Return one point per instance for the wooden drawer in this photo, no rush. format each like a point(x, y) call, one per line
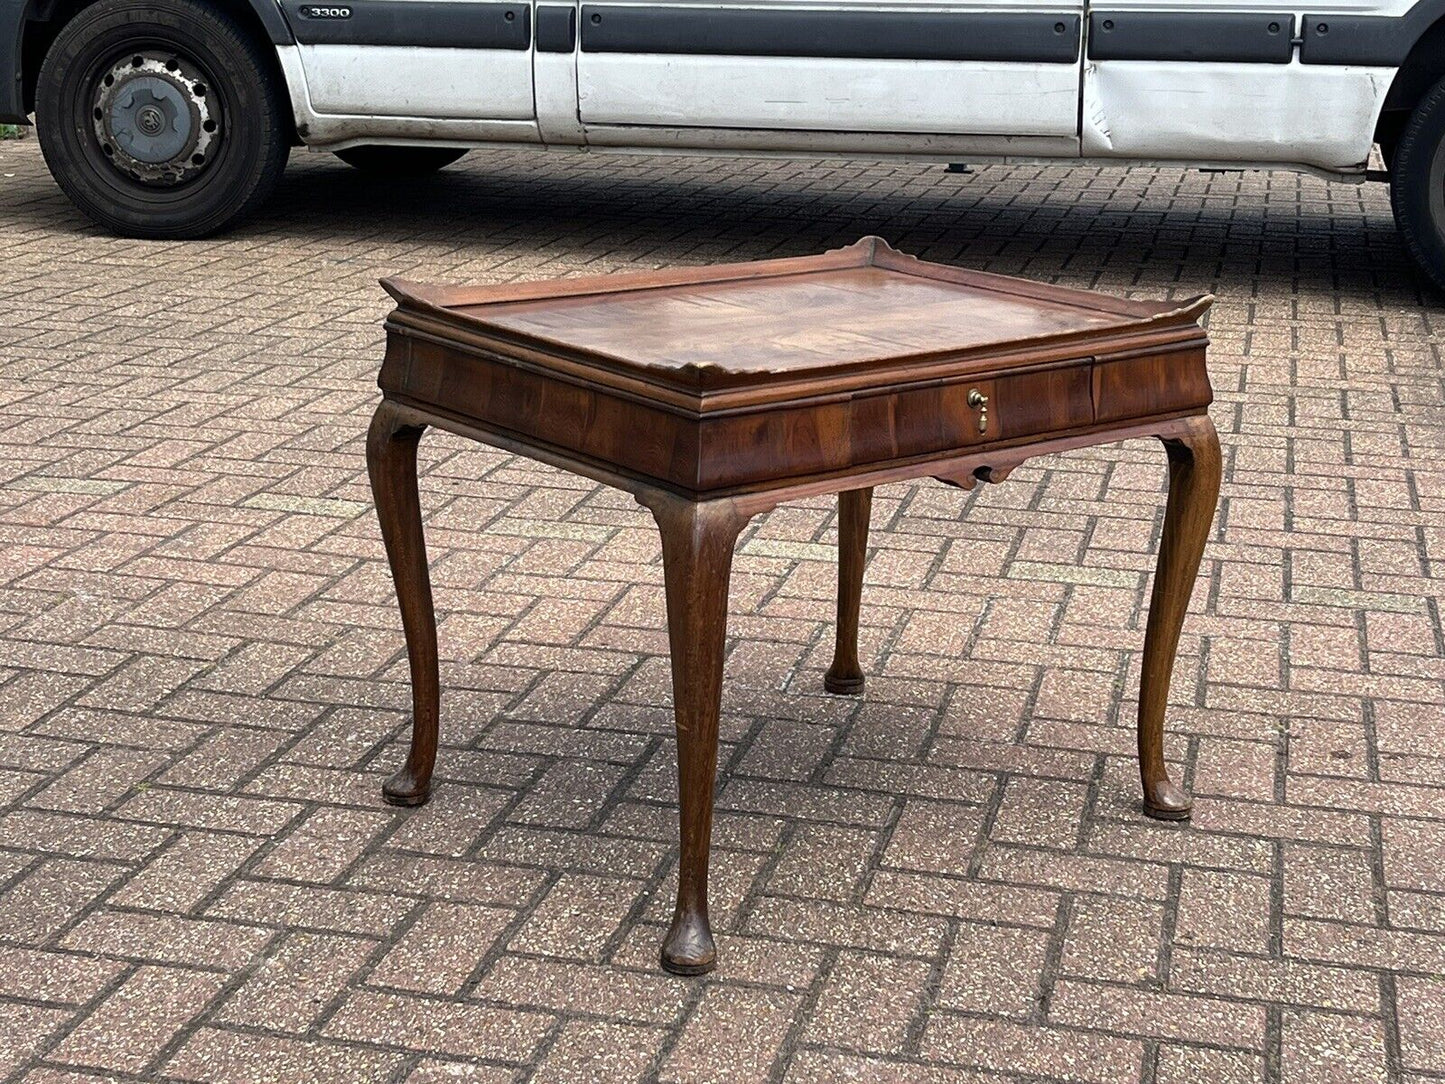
point(875, 428)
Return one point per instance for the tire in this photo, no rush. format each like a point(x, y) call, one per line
point(1417, 184)
point(400, 161)
point(182, 145)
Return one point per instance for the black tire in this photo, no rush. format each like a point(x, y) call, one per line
point(400, 161)
point(209, 71)
point(1417, 184)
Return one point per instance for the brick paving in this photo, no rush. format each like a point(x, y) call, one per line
point(202, 682)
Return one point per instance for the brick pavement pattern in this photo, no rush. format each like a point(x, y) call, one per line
point(202, 679)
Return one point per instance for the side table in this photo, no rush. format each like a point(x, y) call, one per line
point(712, 394)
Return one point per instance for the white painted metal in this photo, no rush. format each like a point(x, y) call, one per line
point(332, 131)
point(1318, 114)
point(823, 94)
point(807, 94)
point(555, 76)
point(337, 131)
point(289, 57)
point(404, 81)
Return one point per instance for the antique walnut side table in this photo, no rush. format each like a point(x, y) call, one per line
point(712, 394)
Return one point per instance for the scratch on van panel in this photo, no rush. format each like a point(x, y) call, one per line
point(1094, 113)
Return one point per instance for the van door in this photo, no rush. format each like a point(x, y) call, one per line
point(1006, 68)
point(555, 68)
point(1226, 83)
point(429, 59)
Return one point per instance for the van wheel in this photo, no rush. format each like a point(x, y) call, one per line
point(160, 118)
point(400, 161)
point(1417, 184)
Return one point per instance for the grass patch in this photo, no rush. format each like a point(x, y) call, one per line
point(12, 131)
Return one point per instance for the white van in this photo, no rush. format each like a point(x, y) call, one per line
point(173, 118)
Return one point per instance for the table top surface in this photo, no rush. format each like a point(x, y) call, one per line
point(793, 319)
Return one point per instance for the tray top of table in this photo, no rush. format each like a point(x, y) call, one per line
point(735, 325)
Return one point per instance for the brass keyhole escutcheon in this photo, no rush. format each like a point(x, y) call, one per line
point(979, 402)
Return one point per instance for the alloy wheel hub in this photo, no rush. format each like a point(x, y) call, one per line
point(154, 118)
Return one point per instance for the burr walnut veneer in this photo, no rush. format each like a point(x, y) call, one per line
point(712, 394)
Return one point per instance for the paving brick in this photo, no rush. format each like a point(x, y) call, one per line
point(324, 845)
point(1412, 854)
point(933, 836)
point(825, 1067)
point(1188, 1064)
point(296, 982)
point(1224, 910)
point(311, 907)
point(461, 1071)
point(186, 872)
point(461, 880)
point(1291, 982)
point(136, 1022)
point(1041, 812)
point(1040, 1051)
point(1331, 1048)
point(102, 778)
point(60, 977)
point(1114, 939)
point(735, 1033)
point(442, 948)
point(1162, 1015)
point(24, 1031)
point(1236, 769)
point(868, 1002)
point(228, 1057)
point(857, 927)
point(587, 1050)
point(997, 970)
point(229, 813)
point(565, 986)
point(50, 897)
point(452, 822)
point(223, 758)
point(168, 938)
point(577, 917)
point(443, 1026)
point(1284, 822)
point(1421, 1007)
point(821, 860)
point(1364, 946)
point(1077, 872)
point(960, 898)
point(1329, 882)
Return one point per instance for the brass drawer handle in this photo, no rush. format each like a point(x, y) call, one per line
point(979, 402)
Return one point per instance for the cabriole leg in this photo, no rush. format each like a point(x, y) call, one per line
point(697, 554)
point(391, 461)
point(1194, 473)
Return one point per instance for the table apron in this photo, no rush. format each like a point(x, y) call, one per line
point(992, 463)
